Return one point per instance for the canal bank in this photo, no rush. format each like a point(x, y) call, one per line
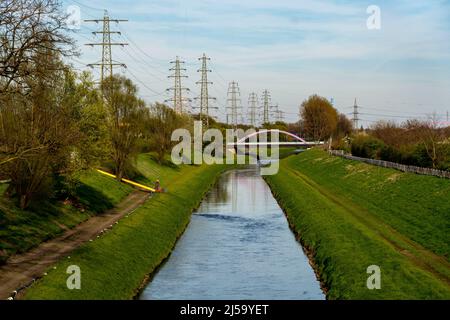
point(350, 215)
point(114, 265)
point(238, 245)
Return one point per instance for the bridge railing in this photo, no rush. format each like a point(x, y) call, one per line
point(394, 165)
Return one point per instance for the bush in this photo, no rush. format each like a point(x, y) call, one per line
point(367, 147)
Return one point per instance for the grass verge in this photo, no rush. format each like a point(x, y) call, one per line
point(114, 266)
point(351, 215)
point(22, 230)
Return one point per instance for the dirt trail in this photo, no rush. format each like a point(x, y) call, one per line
point(20, 270)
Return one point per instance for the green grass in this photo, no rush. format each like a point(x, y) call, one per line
point(351, 215)
point(21, 230)
point(114, 266)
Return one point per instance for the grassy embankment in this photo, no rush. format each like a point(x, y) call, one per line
point(21, 230)
point(114, 266)
point(351, 215)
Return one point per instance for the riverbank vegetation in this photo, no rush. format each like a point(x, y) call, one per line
point(114, 266)
point(351, 215)
point(417, 143)
point(21, 230)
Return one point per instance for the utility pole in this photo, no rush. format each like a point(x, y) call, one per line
point(252, 105)
point(178, 89)
point(204, 96)
point(106, 65)
point(355, 116)
point(266, 106)
point(234, 101)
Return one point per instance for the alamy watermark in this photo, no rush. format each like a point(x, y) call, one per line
point(73, 20)
point(74, 280)
point(240, 147)
point(374, 20)
point(374, 280)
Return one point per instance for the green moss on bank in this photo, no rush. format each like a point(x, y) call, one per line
point(351, 215)
point(114, 266)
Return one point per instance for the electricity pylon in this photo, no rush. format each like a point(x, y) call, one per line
point(178, 99)
point(107, 63)
point(355, 116)
point(234, 104)
point(279, 115)
point(252, 106)
point(204, 96)
point(266, 106)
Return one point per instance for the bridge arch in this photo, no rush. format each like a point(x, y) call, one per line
point(271, 130)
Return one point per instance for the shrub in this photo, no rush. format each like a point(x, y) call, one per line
point(366, 147)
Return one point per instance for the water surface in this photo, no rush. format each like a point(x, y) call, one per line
point(238, 245)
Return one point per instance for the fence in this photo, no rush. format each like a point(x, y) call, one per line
point(394, 165)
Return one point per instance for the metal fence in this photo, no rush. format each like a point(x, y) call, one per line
point(394, 165)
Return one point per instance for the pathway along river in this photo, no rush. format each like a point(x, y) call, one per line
point(238, 245)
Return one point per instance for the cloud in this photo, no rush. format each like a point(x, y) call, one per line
point(295, 48)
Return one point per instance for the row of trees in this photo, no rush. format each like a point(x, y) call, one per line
point(55, 122)
point(415, 142)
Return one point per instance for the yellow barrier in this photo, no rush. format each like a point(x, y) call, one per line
point(128, 181)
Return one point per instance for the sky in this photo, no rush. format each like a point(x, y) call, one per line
point(293, 48)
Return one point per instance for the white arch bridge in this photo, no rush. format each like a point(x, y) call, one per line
point(299, 142)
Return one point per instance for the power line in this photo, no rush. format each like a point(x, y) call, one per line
point(86, 6)
point(143, 84)
point(130, 54)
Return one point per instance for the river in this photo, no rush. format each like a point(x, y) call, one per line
point(238, 245)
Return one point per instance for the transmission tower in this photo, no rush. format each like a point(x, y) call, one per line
point(107, 64)
point(266, 106)
point(279, 115)
point(204, 96)
point(234, 102)
point(252, 106)
point(178, 99)
point(355, 115)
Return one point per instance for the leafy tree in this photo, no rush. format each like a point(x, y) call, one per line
point(344, 127)
point(319, 118)
point(161, 123)
point(125, 112)
point(39, 127)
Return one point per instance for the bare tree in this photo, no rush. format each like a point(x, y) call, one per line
point(27, 27)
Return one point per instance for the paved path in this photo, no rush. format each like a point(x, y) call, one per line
point(20, 270)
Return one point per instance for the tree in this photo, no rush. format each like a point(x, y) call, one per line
point(38, 128)
point(344, 126)
point(125, 111)
point(161, 123)
point(319, 118)
point(26, 28)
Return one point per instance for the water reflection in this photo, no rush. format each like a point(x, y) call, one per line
point(237, 246)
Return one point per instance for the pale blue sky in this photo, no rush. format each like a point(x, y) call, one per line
point(294, 48)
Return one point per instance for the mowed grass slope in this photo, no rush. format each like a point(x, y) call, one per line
point(21, 230)
point(114, 266)
point(351, 215)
